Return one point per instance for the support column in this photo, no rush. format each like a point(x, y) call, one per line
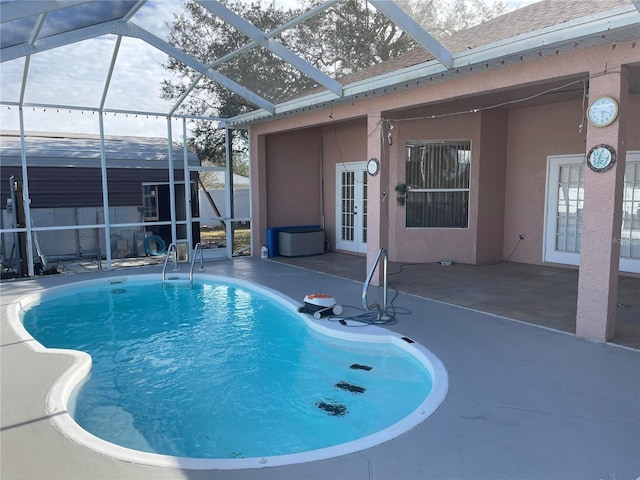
point(377, 189)
point(258, 178)
point(602, 217)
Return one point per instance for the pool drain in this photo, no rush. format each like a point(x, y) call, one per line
point(350, 387)
point(336, 409)
point(357, 366)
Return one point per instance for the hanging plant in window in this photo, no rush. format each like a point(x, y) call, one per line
point(402, 190)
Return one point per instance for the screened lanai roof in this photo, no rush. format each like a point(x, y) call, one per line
point(107, 55)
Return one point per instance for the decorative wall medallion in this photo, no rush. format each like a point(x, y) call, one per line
point(373, 166)
point(601, 158)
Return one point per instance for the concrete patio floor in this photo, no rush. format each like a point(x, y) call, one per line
point(541, 295)
point(524, 402)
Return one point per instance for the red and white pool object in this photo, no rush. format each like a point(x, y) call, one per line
point(320, 305)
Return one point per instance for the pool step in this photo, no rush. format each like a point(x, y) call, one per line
point(177, 280)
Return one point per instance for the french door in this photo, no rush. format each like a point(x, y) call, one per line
point(351, 207)
point(564, 206)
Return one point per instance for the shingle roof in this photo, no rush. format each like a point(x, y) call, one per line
point(539, 15)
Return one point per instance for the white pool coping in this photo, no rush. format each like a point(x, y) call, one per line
point(58, 401)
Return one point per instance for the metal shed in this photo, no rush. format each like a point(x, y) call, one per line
point(65, 183)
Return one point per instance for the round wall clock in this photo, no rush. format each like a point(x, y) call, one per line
point(373, 166)
point(601, 158)
point(603, 111)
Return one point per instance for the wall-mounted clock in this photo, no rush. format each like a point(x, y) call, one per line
point(603, 111)
point(373, 166)
point(601, 158)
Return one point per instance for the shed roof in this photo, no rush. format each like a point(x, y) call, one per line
point(81, 150)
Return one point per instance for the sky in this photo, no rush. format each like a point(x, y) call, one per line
point(134, 86)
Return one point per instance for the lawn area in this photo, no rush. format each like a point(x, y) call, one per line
point(217, 235)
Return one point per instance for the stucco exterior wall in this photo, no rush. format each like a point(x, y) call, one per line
point(428, 244)
point(342, 142)
point(293, 178)
point(510, 147)
point(491, 186)
point(535, 134)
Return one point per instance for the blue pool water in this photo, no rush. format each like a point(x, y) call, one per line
point(221, 371)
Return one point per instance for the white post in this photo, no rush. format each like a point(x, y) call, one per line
point(105, 194)
point(187, 189)
point(228, 190)
point(25, 195)
point(172, 186)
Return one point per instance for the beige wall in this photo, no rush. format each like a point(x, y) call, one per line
point(534, 135)
point(426, 244)
point(510, 147)
point(342, 142)
point(509, 168)
point(491, 186)
point(293, 178)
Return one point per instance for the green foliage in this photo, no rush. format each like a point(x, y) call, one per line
point(347, 37)
point(205, 36)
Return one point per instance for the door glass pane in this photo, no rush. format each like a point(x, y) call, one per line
point(347, 206)
point(571, 204)
point(630, 233)
point(365, 178)
point(569, 210)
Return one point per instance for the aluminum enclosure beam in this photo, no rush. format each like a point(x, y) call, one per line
point(604, 26)
point(107, 83)
point(55, 41)
point(132, 30)
point(118, 27)
point(415, 31)
point(16, 10)
point(277, 48)
point(272, 33)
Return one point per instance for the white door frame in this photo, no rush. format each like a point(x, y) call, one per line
point(350, 234)
point(549, 251)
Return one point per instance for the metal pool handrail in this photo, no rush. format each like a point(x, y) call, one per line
point(196, 249)
point(382, 311)
point(172, 248)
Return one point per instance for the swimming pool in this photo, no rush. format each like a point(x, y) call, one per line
point(345, 380)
